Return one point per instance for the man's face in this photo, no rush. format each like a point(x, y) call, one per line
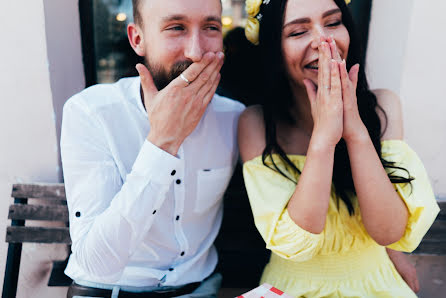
point(176, 33)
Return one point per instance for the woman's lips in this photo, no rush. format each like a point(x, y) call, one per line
point(313, 66)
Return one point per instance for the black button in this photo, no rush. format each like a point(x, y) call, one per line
point(178, 181)
point(173, 173)
point(170, 269)
point(182, 253)
point(178, 217)
point(78, 214)
point(154, 211)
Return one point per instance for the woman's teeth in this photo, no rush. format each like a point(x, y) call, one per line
point(313, 65)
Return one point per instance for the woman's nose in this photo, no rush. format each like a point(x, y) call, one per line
point(318, 36)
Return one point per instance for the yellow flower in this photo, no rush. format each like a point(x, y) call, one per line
point(348, 1)
point(253, 7)
point(252, 30)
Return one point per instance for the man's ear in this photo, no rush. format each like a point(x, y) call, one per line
point(134, 33)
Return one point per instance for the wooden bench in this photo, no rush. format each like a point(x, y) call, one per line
point(434, 242)
point(242, 253)
point(35, 202)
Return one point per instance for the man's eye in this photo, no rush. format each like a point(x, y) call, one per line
point(214, 28)
point(175, 28)
point(334, 24)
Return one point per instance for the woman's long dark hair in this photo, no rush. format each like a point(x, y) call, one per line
point(278, 101)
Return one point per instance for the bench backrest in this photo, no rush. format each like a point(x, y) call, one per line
point(38, 202)
point(434, 242)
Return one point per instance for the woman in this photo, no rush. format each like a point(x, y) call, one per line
point(330, 181)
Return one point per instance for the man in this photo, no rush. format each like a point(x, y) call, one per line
point(146, 161)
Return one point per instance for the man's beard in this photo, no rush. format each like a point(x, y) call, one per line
point(162, 76)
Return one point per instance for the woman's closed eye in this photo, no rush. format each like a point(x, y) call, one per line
point(294, 34)
point(334, 24)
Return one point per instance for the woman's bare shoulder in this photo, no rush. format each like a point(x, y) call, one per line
point(251, 133)
point(392, 120)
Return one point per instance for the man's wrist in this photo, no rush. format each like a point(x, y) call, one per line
point(170, 145)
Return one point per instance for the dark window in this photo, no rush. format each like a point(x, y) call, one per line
point(108, 55)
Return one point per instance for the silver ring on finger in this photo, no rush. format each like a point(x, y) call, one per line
point(327, 87)
point(185, 79)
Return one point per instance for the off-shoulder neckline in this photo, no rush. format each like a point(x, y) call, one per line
point(303, 157)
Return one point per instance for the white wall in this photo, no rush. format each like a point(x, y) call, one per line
point(406, 54)
point(32, 88)
point(64, 54)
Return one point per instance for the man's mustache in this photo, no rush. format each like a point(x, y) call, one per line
point(178, 68)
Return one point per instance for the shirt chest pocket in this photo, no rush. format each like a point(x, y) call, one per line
point(211, 185)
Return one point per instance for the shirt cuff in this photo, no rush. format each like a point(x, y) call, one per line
point(153, 159)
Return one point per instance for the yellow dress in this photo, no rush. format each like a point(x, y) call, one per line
point(342, 261)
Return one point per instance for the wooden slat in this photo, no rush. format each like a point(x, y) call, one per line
point(39, 191)
point(39, 212)
point(437, 231)
point(427, 247)
point(37, 235)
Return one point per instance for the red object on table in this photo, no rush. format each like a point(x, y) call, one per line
point(265, 291)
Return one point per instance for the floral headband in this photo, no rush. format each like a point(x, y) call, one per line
point(254, 17)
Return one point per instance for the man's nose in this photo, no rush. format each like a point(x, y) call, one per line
point(194, 49)
point(318, 35)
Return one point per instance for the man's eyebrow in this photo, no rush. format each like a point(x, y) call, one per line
point(213, 19)
point(307, 20)
point(174, 17)
point(180, 17)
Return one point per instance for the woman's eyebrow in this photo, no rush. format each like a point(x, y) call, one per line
point(330, 12)
point(307, 20)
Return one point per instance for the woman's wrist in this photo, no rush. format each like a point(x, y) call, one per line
point(359, 135)
point(320, 146)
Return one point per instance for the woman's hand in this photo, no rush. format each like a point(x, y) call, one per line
point(353, 127)
point(326, 101)
point(405, 269)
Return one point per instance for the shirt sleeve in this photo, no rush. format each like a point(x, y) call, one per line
point(417, 195)
point(269, 193)
point(108, 217)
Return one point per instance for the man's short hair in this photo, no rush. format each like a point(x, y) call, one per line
point(136, 15)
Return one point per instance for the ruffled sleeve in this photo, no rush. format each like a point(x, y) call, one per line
point(269, 193)
point(417, 195)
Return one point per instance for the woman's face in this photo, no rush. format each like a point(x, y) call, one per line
point(305, 23)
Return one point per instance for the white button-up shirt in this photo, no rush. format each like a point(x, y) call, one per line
point(139, 216)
